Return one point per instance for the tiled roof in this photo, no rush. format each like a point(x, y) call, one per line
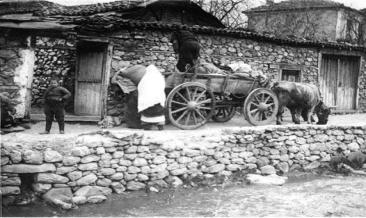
point(103, 26)
point(297, 5)
point(45, 8)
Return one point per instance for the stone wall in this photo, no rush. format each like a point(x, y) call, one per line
point(54, 57)
point(362, 86)
point(16, 64)
point(127, 160)
point(153, 47)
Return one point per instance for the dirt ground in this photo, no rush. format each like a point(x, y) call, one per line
point(74, 129)
point(319, 197)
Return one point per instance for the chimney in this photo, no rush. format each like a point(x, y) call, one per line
point(269, 2)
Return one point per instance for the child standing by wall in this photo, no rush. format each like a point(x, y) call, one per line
point(54, 103)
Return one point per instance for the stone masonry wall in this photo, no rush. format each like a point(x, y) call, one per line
point(153, 47)
point(125, 160)
point(54, 57)
point(362, 86)
point(16, 63)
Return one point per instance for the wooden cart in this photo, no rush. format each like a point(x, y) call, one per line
point(196, 98)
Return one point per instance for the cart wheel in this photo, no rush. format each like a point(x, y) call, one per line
point(260, 107)
point(223, 113)
point(190, 105)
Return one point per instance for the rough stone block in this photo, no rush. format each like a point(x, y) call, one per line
point(41, 187)
point(70, 160)
point(51, 178)
point(10, 190)
point(134, 186)
point(87, 180)
point(32, 157)
point(27, 168)
point(52, 156)
point(11, 181)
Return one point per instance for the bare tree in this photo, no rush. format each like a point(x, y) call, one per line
point(229, 12)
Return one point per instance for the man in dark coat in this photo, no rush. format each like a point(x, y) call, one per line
point(54, 99)
point(186, 45)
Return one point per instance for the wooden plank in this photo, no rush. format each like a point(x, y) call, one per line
point(89, 99)
point(106, 78)
point(89, 90)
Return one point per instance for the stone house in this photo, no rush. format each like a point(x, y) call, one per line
point(85, 48)
point(322, 20)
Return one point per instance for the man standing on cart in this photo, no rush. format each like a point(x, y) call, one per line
point(186, 45)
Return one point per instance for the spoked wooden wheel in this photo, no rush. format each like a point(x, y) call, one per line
point(190, 105)
point(260, 107)
point(223, 112)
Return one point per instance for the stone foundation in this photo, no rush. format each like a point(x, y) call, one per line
point(125, 160)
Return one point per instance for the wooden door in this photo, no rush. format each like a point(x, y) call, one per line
point(339, 81)
point(89, 79)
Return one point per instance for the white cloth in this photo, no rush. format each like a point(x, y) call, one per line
point(240, 67)
point(158, 119)
point(151, 89)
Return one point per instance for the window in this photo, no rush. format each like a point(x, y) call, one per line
point(291, 75)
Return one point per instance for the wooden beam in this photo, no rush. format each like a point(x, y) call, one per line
point(37, 25)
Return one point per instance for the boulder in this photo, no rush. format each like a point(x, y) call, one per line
point(51, 178)
point(70, 160)
point(88, 166)
point(216, 168)
point(90, 158)
point(15, 156)
point(51, 156)
point(117, 176)
point(11, 181)
point(100, 150)
point(233, 167)
point(10, 190)
point(59, 196)
point(118, 154)
point(87, 191)
point(134, 186)
point(283, 167)
point(96, 199)
point(312, 165)
point(177, 172)
point(118, 187)
point(139, 162)
point(159, 183)
point(87, 180)
point(104, 182)
point(26, 168)
point(266, 180)
point(142, 177)
point(64, 170)
point(32, 157)
point(353, 146)
point(80, 151)
point(79, 200)
point(41, 187)
point(268, 170)
point(174, 181)
point(75, 175)
point(4, 160)
point(107, 171)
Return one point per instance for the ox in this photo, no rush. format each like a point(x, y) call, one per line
point(302, 99)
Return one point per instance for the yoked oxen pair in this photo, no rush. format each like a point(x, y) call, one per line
point(301, 99)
